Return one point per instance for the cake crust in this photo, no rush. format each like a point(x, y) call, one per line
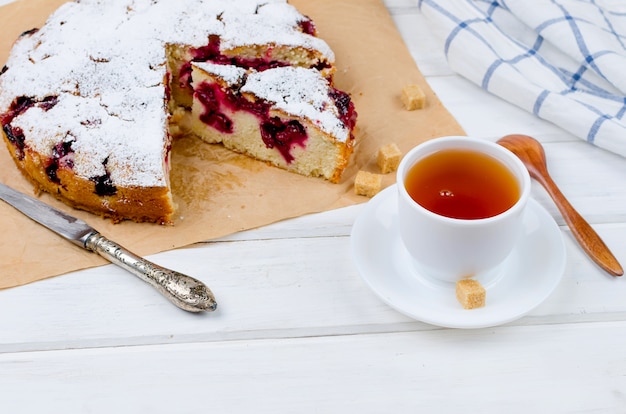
point(141, 204)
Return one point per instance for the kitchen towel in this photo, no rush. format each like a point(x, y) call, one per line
point(562, 60)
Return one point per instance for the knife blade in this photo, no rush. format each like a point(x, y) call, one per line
point(184, 291)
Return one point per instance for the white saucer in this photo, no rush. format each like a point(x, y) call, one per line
point(526, 278)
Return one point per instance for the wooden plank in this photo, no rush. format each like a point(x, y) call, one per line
point(291, 287)
point(551, 369)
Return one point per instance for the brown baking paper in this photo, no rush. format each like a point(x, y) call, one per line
point(219, 192)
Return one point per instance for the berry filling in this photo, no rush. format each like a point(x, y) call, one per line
point(21, 104)
point(345, 106)
point(307, 26)
point(29, 32)
point(211, 53)
point(184, 76)
point(210, 96)
point(15, 135)
point(276, 133)
point(48, 102)
point(104, 185)
point(62, 157)
point(282, 135)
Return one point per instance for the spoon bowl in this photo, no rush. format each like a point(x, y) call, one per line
point(531, 153)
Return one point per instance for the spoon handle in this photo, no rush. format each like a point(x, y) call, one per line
point(588, 239)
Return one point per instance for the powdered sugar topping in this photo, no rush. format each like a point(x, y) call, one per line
point(300, 92)
point(105, 61)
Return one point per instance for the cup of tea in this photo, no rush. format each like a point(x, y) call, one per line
point(461, 202)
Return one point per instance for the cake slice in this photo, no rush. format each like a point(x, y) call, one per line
point(288, 116)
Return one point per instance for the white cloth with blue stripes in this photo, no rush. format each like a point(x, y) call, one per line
point(562, 60)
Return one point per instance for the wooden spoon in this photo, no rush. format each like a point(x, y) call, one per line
point(530, 151)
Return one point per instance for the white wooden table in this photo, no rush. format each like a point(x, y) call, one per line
point(298, 330)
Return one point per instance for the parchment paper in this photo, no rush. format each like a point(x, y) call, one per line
point(219, 192)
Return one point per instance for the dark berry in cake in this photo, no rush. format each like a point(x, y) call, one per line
point(29, 32)
point(62, 157)
point(104, 185)
point(345, 106)
point(48, 102)
point(16, 137)
point(207, 94)
point(308, 27)
point(211, 53)
point(282, 135)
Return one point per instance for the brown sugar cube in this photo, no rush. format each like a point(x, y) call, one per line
point(413, 97)
point(367, 184)
point(470, 293)
point(388, 158)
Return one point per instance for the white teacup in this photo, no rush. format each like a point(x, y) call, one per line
point(449, 249)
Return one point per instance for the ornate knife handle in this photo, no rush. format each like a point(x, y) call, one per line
point(183, 291)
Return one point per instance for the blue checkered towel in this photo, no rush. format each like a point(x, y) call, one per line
point(562, 60)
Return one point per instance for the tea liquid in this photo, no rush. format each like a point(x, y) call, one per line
point(462, 184)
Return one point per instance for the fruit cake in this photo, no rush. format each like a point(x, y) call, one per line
point(91, 101)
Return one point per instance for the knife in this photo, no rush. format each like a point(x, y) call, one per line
point(183, 291)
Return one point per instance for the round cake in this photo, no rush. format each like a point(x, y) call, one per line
point(91, 101)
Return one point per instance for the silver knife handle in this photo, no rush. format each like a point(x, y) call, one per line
point(184, 291)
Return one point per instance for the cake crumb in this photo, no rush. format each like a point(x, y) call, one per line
point(388, 158)
point(470, 293)
point(367, 184)
point(413, 97)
